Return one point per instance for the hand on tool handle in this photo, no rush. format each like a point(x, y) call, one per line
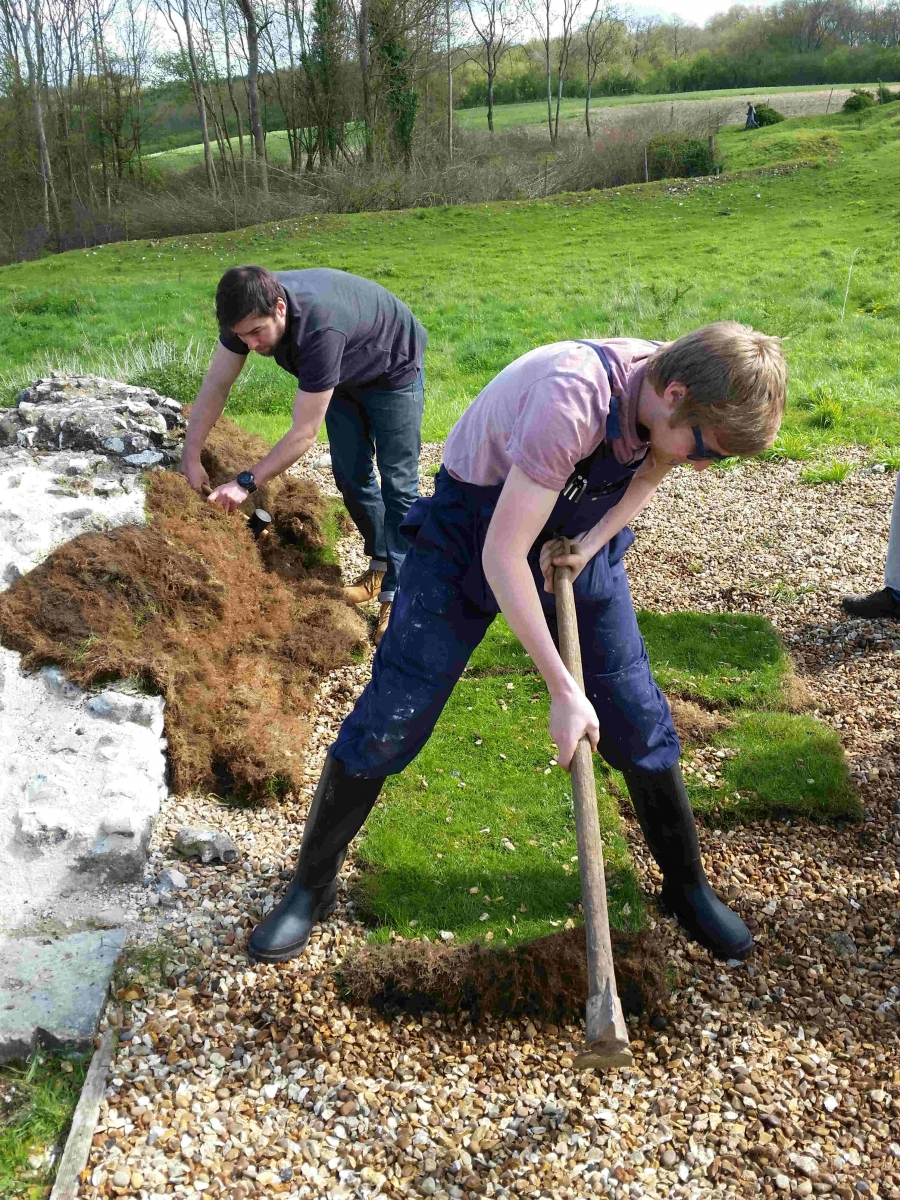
point(562, 552)
point(196, 476)
point(572, 715)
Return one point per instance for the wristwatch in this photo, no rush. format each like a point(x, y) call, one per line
point(246, 481)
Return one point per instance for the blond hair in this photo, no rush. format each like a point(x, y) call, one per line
point(736, 381)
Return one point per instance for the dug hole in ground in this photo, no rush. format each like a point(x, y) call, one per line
point(776, 1077)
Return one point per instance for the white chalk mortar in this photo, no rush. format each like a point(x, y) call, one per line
point(81, 775)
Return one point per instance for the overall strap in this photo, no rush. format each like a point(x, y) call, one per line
point(577, 481)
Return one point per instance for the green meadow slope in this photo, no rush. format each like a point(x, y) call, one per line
point(772, 248)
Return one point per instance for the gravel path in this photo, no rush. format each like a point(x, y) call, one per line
point(778, 1077)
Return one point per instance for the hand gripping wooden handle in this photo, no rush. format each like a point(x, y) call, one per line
point(606, 1032)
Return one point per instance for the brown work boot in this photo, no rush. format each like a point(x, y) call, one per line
point(365, 589)
point(383, 617)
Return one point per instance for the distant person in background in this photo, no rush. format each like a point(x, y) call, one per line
point(751, 122)
point(884, 603)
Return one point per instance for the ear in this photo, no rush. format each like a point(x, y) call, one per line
point(674, 394)
point(280, 306)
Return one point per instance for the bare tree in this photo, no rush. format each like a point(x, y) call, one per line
point(28, 17)
point(642, 31)
point(570, 10)
point(179, 16)
point(495, 23)
point(543, 15)
point(601, 35)
point(251, 23)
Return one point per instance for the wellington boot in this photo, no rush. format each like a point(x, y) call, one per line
point(366, 588)
point(340, 806)
point(664, 812)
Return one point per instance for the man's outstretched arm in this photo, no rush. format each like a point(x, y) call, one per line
point(206, 410)
point(309, 413)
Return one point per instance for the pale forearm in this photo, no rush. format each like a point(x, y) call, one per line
point(638, 495)
point(513, 586)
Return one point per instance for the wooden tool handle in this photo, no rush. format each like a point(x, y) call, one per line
point(606, 1032)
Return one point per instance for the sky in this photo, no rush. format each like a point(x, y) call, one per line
point(695, 11)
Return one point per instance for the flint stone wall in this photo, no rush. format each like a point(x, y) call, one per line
point(133, 427)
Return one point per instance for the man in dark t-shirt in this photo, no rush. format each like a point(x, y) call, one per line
point(357, 354)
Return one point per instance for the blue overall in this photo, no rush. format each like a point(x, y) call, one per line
point(444, 606)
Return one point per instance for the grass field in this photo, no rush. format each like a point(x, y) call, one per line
point(491, 281)
point(509, 116)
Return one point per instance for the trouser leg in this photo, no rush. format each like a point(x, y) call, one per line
point(395, 422)
point(353, 466)
point(892, 565)
point(431, 636)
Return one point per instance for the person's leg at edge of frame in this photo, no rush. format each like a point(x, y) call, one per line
point(353, 467)
point(395, 419)
point(885, 603)
point(423, 653)
point(638, 738)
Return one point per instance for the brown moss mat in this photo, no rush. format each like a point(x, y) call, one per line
point(546, 977)
point(186, 606)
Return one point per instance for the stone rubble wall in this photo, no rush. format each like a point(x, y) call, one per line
point(81, 776)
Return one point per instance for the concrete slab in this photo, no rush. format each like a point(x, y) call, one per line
point(52, 991)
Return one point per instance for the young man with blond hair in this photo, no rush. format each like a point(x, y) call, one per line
point(569, 441)
point(357, 354)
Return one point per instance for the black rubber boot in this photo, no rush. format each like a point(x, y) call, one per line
point(661, 803)
point(876, 606)
point(340, 806)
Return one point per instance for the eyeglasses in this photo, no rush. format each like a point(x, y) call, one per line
point(703, 452)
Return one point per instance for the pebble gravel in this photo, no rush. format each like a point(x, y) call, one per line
point(776, 1077)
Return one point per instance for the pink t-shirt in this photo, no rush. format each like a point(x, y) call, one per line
point(546, 411)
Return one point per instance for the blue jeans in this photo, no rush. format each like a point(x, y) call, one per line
point(369, 425)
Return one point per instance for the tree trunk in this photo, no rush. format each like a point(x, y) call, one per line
point(48, 191)
point(449, 85)
point(246, 7)
point(364, 70)
point(490, 99)
point(587, 111)
point(200, 98)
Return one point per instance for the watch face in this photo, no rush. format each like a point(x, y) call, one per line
point(246, 480)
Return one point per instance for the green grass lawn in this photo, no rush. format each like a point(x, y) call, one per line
point(491, 281)
point(476, 837)
point(509, 116)
point(37, 1100)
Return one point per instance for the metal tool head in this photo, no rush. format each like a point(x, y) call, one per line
point(601, 1058)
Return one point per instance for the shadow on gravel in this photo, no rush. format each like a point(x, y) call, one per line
point(235, 634)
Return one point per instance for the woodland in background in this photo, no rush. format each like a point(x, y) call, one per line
point(364, 91)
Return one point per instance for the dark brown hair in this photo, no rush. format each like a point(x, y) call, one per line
point(736, 380)
point(243, 291)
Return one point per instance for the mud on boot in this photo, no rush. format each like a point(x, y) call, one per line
point(664, 811)
point(340, 806)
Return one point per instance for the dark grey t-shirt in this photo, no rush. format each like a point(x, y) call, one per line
point(343, 329)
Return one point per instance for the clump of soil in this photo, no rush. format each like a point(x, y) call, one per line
point(546, 977)
point(189, 607)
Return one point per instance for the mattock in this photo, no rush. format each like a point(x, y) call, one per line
point(606, 1033)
